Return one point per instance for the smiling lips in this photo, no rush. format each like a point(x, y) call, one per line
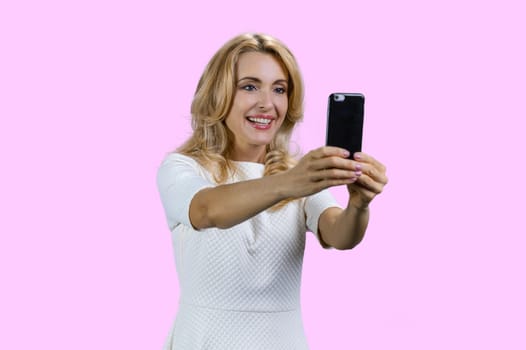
point(261, 121)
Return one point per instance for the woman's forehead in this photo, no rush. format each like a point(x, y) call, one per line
point(260, 65)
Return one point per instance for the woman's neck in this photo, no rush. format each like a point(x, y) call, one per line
point(248, 154)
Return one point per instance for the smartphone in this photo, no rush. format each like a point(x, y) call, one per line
point(345, 121)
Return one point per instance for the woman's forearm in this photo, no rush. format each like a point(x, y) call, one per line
point(344, 228)
point(227, 205)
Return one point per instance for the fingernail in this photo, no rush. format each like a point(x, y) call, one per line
point(358, 173)
point(358, 167)
point(346, 153)
point(357, 156)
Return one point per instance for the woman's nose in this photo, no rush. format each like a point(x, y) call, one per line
point(265, 100)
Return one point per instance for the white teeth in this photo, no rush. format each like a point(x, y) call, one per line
point(260, 120)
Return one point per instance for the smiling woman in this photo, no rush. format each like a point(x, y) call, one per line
point(230, 70)
point(238, 205)
point(259, 106)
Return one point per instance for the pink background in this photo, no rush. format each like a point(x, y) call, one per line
point(94, 93)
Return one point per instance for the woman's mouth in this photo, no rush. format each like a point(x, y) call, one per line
point(260, 122)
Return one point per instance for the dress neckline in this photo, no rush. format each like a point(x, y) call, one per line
point(248, 166)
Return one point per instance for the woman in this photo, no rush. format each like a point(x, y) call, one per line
point(238, 205)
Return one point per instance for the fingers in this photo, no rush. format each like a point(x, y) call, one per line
point(371, 167)
point(326, 183)
point(329, 151)
point(330, 157)
point(365, 158)
point(372, 173)
point(335, 163)
point(370, 184)
point(328, 166)
point(335, 174)
point(372, 180)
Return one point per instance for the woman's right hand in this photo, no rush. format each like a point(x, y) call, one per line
point(320, 169)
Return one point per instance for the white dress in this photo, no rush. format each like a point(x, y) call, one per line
point(240, 287)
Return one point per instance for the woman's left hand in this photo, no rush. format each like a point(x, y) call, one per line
point(369, 184)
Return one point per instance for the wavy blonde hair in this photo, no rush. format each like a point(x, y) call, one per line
point(211, 141)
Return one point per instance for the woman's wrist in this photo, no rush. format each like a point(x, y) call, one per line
point(357, 204)
point(278, 183)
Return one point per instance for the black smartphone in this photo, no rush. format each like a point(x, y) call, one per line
point(345, 121)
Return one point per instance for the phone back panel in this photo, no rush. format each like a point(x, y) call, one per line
point(345, 121)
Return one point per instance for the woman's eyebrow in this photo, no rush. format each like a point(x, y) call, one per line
point(250, 78)
point(281, 81)
point(257, 80)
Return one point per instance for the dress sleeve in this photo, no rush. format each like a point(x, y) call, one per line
point(179, 178)
point(314, 206)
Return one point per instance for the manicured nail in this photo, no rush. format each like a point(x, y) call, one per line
point(358, 167)
point(346, 154)
point(357, 156)
point(358, 173)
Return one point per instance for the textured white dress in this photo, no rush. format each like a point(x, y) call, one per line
point(239, 287)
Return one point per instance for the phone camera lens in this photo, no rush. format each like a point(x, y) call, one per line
point(339, 97)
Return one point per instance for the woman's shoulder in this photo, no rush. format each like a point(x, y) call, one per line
point(180, 162)
point(178, 167)
point(175, 158)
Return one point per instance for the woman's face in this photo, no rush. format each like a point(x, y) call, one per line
point(259, 107)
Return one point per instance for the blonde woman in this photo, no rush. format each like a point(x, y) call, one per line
point(238, 205)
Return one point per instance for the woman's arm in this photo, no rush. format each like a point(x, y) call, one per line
point(227, 205)
point(345, 228)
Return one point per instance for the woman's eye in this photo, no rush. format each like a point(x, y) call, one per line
point(249, 87)
point(280, 90)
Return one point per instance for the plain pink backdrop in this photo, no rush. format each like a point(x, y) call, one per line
point(94, 93)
